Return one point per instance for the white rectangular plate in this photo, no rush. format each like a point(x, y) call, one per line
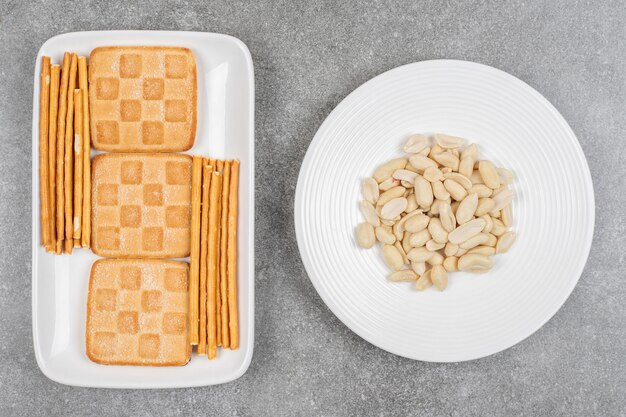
point(225, 130)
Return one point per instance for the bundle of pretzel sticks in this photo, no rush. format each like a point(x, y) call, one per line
point(213, 260)
point(64, 154)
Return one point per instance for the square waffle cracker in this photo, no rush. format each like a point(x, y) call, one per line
point(142, 98)
point(141, 205)
point(137, 312)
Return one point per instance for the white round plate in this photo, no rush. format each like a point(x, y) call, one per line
point(515, 127)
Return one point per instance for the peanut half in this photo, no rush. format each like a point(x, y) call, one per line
point(403, 275)
point(385, 171)
point(416, 143)
point(370, 190)
point(447, 141)
point(365, 235)
point(439, 277)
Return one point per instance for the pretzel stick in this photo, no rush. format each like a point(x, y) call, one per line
point(223, 281)
point(204, 227)
point(55, 73)
point(194, 261)
point(44, 113)
point(59, 247)
point(214, 205)
point(218, 295)
point(68, 181)
point(69, 244)
point(233, 207)
point(85, 237)
point(60, 194)
point(78, 165)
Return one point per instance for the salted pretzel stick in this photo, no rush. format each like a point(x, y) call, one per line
point(60, 192)
point(223, 281)
point(68, 181)
point(55, 73)
point(78, 164)
point(44, 113)
point(233, 207)
point(204, 227)
point(214, 205)
point(194, 257)
point(218, 295)
point(85, 237)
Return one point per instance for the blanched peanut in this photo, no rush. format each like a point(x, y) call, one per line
point(423, 192)
point(450, 263)
point(475, 263)
point(435, 259)
point(439, 277)
point(489, 174)
point(393, 257)
point(424, 281)
point(455, 189)
point(437, 231)
point(403, 275)
point(417, 223)
point(386, 170)
point(420, 238)
point(365, 235)
point(385, 235)
point(419, 254)
point(450, 249)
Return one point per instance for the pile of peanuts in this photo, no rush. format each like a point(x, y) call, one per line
point(439, 210)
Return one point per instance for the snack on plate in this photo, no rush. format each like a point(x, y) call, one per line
point(78, 165)
point(142, 98)
point(212, 260)
point(60, 152)
point(207, 170)
point(86, 215)
point(137, 312)
point(194, 256)
point(55, 78)
point(139, 202)
point(441, 209)
point(68, 161)
point(222, 289)
point(44, 112)
point(213, 282)
point(141, 205)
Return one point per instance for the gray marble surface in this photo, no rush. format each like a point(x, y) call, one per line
point(308, 55)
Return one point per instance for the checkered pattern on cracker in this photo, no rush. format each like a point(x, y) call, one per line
point(142, 99)
point(141, 205)
point(137, 312)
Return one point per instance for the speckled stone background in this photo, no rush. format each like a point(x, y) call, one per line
point(308, 55)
